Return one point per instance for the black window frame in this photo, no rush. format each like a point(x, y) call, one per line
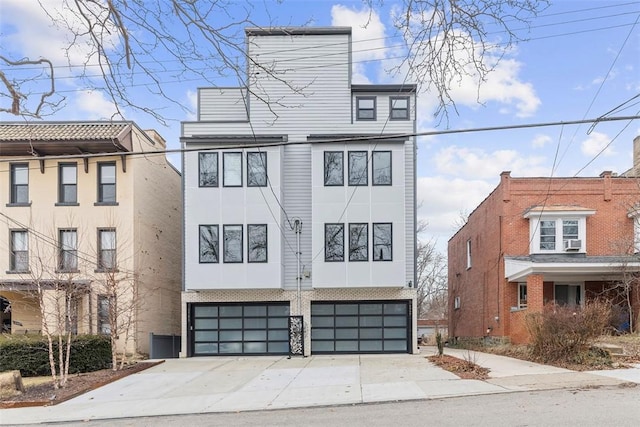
point(339, 258)
point(225, 259)
point(263, 258)
point(62, 185)
point(14, 194)
point(251, 181)
point(393, 109)
point(360, 110)
point(373, 168)
point(356, 247)
point(201, 172)
point(358, 182)
point(62, 263)
point(375, 245)
point(102, 251)
point(14, 254)
point(214, 245)
point(337, 183)
point(225, 156)
point(102, 200)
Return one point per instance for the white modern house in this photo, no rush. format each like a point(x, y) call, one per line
point(299, 206)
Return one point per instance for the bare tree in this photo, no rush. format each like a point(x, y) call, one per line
point(127, 43)
point(431, 272)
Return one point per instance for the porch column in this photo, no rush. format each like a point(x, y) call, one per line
point(535, 290)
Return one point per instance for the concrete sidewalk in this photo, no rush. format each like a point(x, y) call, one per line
point(224, 384)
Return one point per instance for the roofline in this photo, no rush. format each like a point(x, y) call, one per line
point(296, 31)
point(233, 139)
point(399, 88)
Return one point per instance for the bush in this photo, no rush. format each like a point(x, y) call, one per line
point(564, 333)
point(29, 354)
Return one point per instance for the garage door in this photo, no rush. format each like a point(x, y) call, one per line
point(237, 329)
point(360, 327)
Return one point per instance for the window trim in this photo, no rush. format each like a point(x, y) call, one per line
point(263, 156)
point(329, 224)
point(100, 259)
point(373, 242)
point(224, 249)
point(62, 268)
point(225, 154)
point(201, 155)
point(100, 197)
point(61, 185)
point(366, 175)
point(366, 245)
point(266, 243)
point(12, 251)
point(341, 184)
point(217, 243)
point(373, 168)
point(392, 109)
point(373, 110)
point(13, 194)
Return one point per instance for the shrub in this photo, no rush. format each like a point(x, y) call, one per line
point(29, 354)
point(564, 333)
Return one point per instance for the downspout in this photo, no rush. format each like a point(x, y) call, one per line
point(297, 227)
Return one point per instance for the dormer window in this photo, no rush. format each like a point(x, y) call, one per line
point(558, 229)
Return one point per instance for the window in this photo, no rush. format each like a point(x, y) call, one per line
point(548, 235)
point(399, 108)
point(19, 184)
point(208, 169)
point(68, 181)
point(257, 169)
point(570, 295)
point(469, 253)
point(569, 229)
point(366, 108)
point(334, 242)
point(381, 168)
point(522, 295)
point(333, 168)
point(358, 242)
point(232, 235)
point(358, 171)
point(107, 249)
point(209, 244)
point(19, 251)
point(106, 183)
point(68, 247)
point(104, 307)
point(257, 243)
point(382, 242)
point(232, 165)
point(456, 303)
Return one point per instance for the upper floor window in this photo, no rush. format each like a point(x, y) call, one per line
point(106, 182)
point(333, 168)
point(381, 168)
point(68, 183)
point(208, 169)
point(358, 242)
point(209, 244)
point(232, 235)
point(257, 169)
point(68, 250)
point(469, 253)
point(366, 107)
point(557, 228)
point(257, 242)
point(399, 108)
point(567, 229)
point(19, 251)
point(232, 169)
point(107, 249)
point(334, 242)
point(382, 242)
point(358, 168)
point(548, 235)
point(19, 184)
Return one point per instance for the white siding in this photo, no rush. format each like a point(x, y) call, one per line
point(222, 104)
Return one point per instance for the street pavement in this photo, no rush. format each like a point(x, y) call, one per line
point(231, 384)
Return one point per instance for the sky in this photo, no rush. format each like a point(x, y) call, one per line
point(579, 59)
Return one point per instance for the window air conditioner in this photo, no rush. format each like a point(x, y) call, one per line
point(572, 245)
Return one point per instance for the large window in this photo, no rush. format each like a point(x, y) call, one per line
point(333, 168)
point(358, 242)
point(232, 165)
point(548, 235)
point(208, 169)
point(209, 244)
point(381, 168)
point(106, 183)
point(257, 169)
point(19, 184)
point(68, 250)
point(569, 229)
point(334, 242)
point(68, 183)
point(232, 235)
point(366, 108)
point(257, 242)
point(399, 108)
point(358, 170)
point(107, 249)
point(19, 251)
point(104, 307)
point(382, 242)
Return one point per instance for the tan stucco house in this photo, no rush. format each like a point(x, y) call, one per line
point(89, 209)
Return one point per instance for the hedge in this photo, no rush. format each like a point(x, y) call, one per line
point(29, 354)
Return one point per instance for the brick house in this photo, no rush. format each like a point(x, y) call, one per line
point(85, 205)
point(537, 240)
point(299, 206)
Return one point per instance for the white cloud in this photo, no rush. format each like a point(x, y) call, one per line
point(540, 140)
point(597, 144)
point(92, 105)
point(192, 102)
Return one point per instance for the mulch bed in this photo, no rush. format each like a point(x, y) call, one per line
point(463, 368)
point(77, 384)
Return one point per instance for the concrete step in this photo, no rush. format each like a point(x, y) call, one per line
point(613, 349)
